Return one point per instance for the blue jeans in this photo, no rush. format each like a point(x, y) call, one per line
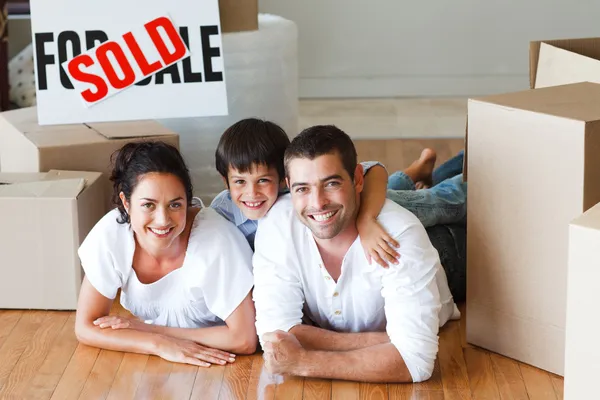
point(450, 168)
point(445, 203)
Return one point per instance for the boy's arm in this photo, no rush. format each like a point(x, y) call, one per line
point(376, 242)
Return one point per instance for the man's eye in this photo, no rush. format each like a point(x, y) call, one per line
point(239, 182)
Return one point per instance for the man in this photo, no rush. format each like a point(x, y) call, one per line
point(372, 324)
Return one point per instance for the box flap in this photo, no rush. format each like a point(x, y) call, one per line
point(578, 101)
point(64, 188)
point(25, 121)
point(589, 47)
point(89, 177)
point(589, 219)
point(557, 66)
point(130, 129)
point(238, 15)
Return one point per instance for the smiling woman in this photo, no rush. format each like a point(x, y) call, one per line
point(161, 247)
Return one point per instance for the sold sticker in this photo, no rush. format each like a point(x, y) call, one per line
point(117, 64)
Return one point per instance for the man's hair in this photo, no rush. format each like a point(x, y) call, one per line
point(320, 140)
point(251, 142)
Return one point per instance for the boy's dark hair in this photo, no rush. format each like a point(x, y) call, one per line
point(251, 141)
point(320, 140)
point(136, 159)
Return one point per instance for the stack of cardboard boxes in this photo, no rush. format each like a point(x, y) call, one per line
point(54, 188)
point(533, 169)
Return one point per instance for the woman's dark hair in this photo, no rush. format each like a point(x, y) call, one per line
point(133, 160)
point(251, 141)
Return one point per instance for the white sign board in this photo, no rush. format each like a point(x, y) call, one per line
point(118, 60)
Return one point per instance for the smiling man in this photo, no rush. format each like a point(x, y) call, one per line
point(321, 310)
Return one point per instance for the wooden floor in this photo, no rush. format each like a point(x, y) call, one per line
point(40, 357)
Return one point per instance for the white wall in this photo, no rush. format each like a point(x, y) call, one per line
point(362, 48)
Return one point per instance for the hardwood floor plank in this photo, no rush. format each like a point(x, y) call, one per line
point(458, 395)
point(317, 389)
point(17, 341)
point(208, 383)
point(18, 382)
point(451, 358)
point(47, 377)
point(345, 390)
point(372, 391)
point(128, 377)
point(156, 375)
point(75, 375)
point(260, 387)
point(8, 321)
point(508, 377)
point(180, 383)
point(558, 382)
point(236, 379)
point(102, 375)
point(291, 388)
point(481, 374)
point(538, 383)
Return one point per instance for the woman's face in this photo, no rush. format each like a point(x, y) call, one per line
point(157, 210)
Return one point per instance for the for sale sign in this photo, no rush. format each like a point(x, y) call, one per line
point(125, 60)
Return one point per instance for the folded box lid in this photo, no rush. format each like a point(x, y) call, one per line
point(588, 47)
point(577, 101)
point(589, 219)
point(25, 121)
point(53, 184)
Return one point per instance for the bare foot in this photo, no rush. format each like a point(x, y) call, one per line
point(421, 170)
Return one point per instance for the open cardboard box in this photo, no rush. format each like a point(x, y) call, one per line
point(45, 217)
point(558, 62)
point(533, 168)
point(26, 146)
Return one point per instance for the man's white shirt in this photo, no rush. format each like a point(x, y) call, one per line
point(409, 301)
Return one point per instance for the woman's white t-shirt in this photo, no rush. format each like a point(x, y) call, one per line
point(215, 277)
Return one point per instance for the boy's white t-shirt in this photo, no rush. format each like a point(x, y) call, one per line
point(215, 277)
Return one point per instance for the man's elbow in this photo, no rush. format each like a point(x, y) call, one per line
point(422, 371)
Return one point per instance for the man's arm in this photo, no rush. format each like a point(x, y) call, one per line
point(278, 295)
point(379, 363)
point(313, 338)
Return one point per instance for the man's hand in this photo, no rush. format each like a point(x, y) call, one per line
point(282, 352)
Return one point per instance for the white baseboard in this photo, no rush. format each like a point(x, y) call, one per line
point(411, 86)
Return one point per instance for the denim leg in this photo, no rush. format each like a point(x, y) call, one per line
point(400, 181)
point(445, 203)
point(449, 169)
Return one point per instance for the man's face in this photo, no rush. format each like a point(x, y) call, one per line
point(324, 196)
point(255, 191)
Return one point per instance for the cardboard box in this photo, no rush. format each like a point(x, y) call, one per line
point(582, 351)
point(238, 15)
point(533, 167)
point(560, 62)
point(46, 217)
point(26, 146)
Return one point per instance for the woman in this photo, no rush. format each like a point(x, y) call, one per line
point(183, 270)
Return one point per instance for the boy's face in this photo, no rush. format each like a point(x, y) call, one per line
point(254, 191)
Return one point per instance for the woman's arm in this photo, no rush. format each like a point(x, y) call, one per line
point(92, 306)
point(237, 336)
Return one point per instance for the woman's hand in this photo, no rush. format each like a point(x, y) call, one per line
point(188, 352)
point(119, 322)
point(376, 243)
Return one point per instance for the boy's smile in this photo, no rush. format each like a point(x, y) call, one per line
point(254, 191)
